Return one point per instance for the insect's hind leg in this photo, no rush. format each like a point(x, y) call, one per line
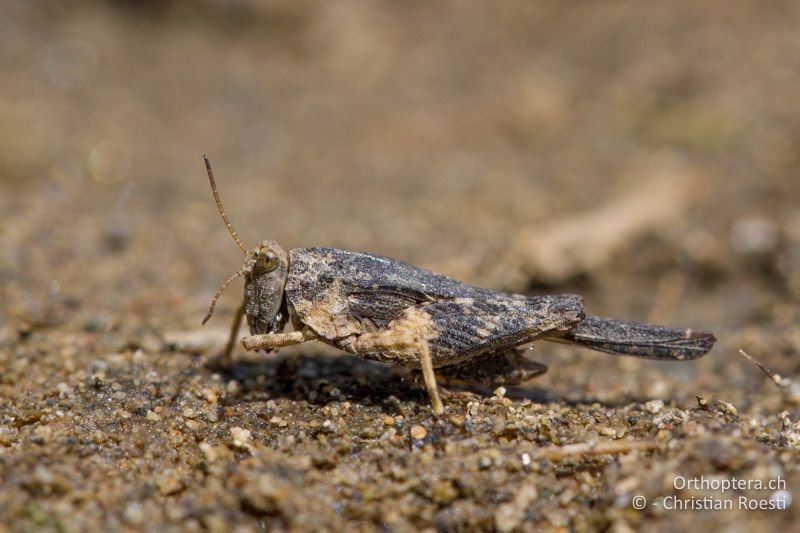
point(406, 345)
point(641, 340)
point(509, 367)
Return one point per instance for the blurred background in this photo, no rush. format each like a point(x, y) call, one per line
point(644, 155)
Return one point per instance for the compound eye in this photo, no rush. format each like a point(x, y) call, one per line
point(266, 262)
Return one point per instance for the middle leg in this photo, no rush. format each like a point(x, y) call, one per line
point(406, 346)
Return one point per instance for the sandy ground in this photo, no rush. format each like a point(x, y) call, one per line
point(642, 155)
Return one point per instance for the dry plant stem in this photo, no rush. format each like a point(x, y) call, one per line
point(774, 377)
point(560, 248)
point(557, 453)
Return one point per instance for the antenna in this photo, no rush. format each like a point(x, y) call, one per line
point(219, 291)
point(224, 216)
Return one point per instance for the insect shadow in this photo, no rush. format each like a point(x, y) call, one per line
point(295, 375)
point(321, 378)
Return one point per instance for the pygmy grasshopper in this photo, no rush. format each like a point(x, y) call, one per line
point(382, 309)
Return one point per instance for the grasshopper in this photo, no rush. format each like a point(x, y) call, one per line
point(386, 310)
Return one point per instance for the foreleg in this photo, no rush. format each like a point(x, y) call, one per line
point(271, 341)
point(237, 321)
point(406, 345)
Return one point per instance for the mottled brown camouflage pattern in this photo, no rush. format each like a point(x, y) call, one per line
point(642, 340)
point(341, 295)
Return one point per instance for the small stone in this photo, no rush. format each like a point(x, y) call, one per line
point(754, 235)
point(456, 420)
point(399, 474)
point(152, 417)
point(654, 406)
point(233, 387)
point(98, 437)
point(500, 392)
point(188, 413)
point(169, 483)
point(510, 516)
point(241, 438)
point(45, 433)
point(209, 395)
point(388, 420)
point(443, 492)
point(43, 475)
point(209, 452)
point(281, 423)
point(133, 513)
point(418, 432)
point(7, 436)
point(727, 407)
point(607, 431)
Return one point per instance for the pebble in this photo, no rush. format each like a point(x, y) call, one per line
point(241, 438)
point(279, 421)
point(169, 483)
point(456, 420)
point(209, 395)
point(727, 407)
point(210, 452)
point(133, 513)
point(44, 432)
point(418, 432)
point(654, 406)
